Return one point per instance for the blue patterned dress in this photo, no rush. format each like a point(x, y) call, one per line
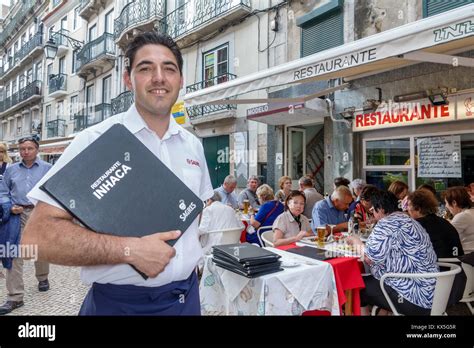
point(400, 244)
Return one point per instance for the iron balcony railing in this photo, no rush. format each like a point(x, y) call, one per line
point(96, 48)
point(56, 128)
point(210, 82)
point(195, 13)
point(23, 94)
point(59, 37)
point(57, 83)
point(25, 50)
point(16, 22)
point(137, 12)
point(122, 102)
point(91, 115)
point(197, 111)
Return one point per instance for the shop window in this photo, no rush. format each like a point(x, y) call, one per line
point(393, 152)
point(434, 7)
point(383, 178)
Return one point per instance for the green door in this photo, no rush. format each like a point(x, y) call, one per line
point(214, 146)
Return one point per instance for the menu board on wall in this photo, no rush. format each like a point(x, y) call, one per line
point(439, 157)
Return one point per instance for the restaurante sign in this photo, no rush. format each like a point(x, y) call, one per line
point(390, 115)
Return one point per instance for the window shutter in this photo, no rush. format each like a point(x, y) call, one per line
point(433, 7)
point(322, 33)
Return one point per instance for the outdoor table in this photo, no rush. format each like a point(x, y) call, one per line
point(348, 281)
point(308, 286)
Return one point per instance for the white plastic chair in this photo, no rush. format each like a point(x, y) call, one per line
point(229, 235)
point(444, 283)
point(266, 237)
point(468, 295)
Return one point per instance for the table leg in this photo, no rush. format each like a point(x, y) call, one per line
point(348, 304)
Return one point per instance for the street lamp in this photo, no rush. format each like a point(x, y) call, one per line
point(51, 47)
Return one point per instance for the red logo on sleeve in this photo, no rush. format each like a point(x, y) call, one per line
point(193, 162)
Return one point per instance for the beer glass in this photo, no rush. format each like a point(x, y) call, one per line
point(246, 206)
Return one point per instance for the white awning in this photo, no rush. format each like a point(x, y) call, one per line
point(447, 33)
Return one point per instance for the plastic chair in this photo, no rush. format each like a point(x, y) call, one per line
point(266, 237)
point(468, 294)
point(444, 283)
point(229, 235)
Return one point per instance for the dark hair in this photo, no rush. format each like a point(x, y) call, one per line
point(397, 187)
point(293, 194)
point(424, 201)
point(427, 187)
point(368, 191)
point(384, 200)
point(458, 194)
point(32, 139)
point(341, 181)
point(152, 38)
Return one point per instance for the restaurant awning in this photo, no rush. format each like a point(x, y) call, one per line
point(431, 39)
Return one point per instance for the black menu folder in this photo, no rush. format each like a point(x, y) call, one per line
point(246, 259)
point(117, 186)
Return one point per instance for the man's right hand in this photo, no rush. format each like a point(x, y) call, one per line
point(151, 254)
point(16, 209)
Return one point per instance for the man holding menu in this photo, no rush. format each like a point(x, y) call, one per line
point(154, 73)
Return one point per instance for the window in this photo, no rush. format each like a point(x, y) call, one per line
point(73, 107)
point(64, 23)
point(92, 33)
point(23, 39)
point(216, 66)
point(60, 110)
point(49, 71)
point(109, 22)
point(388, 152)
point(48, 113)
point(21, 80)
point(14, 86)
point(29, 76)
point(62, 65)
point(76, 23)
point(39, 71)
point(106, 95)
point(74, 62)
point(433, 7)
point(322, 28)
point(51, 31)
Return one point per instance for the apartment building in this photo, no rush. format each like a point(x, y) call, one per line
point(21, 71)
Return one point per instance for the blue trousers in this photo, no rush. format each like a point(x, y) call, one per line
point(176, 298)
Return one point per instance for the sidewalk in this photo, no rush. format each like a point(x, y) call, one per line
point(64, 297)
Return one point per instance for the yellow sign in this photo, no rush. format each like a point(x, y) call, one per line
point(179, 112)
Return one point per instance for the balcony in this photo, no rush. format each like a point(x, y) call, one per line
point(61, 41)
point(29, 94)
point(57, 86)
point(96, 56)
point(90, 7)
point(139, 14)
point(208, 113)
point(56, 128)
point(13, 26)
point(197, 19)
point(91, 115)
point(122, 102)
point(32, 49)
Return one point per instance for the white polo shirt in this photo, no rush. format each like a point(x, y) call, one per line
point(183, 154)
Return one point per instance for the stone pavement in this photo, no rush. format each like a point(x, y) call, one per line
point(64, 297)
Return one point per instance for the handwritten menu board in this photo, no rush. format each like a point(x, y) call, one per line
point(439, 157)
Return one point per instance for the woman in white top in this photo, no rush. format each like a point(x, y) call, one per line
point(458, 202)
point(292, 225)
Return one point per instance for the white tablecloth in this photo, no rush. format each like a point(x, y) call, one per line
point(309, 286)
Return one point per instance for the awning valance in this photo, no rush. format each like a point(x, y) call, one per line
point(450, 32)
